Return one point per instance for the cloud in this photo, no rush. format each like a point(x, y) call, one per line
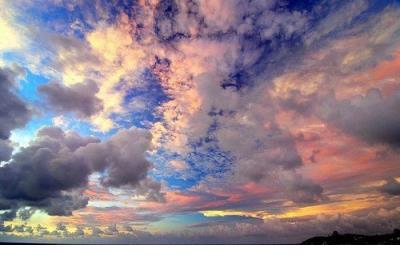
point(337, 18)
point(212, 41)
point(96, 231)
point(45, 174)
point(128, 228)
point(373, 117)
point(5, 228)
point(177, 20)
point(208, 105)
point(7, 215)
point(178, 164)
point(272, 231)
point(46, 167)
point(214, 61)
point(111, 230)
point(22, 229)
point(14, 113)
point(341, 83)
point(304, 191)
point(262, 150)
point(65, 204)
point(78, 98)
point(26, 213)
point(79, 232)
point(11, 36)
point(123, 156)
point(391, 187)
point(61, 227)
point(52, 171)
point(5, 150)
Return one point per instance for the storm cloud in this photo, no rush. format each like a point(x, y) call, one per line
point(14, 112)
point(51, 172)
point(123, 156)
point(5, 150)
point(45, 174)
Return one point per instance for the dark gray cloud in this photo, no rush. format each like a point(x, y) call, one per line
point(5, 228)
point(79, 98)
point(5, 204)
point(5, 150)
point(123, 159)
point(304, 191)
point(151, 189)
point(51, 172)
point(65, 204)
point(25, 213)
point(391, 187)
point(46, 167)
point(19, 228)
point(122, 156)
point(45, 174)
point(14, 112)
point(373, 118)
point(22, 229)
point(8, 215)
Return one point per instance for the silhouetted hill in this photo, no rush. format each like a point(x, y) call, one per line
point(353, 239)
point(26, 243)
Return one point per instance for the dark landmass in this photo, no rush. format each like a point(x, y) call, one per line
point(353, 239)
point(26, 243)
point(334, 239)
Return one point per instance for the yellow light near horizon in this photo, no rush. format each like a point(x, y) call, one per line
point(327, 209)
point(345, 206)
point(222, 213)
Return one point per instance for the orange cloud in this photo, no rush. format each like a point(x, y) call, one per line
point(388, 68)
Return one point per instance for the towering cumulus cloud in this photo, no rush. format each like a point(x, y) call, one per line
point(123, 157)
point(52, 171)
point(44, 173)
point(14, 112)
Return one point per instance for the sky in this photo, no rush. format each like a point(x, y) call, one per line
point(198, 121)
